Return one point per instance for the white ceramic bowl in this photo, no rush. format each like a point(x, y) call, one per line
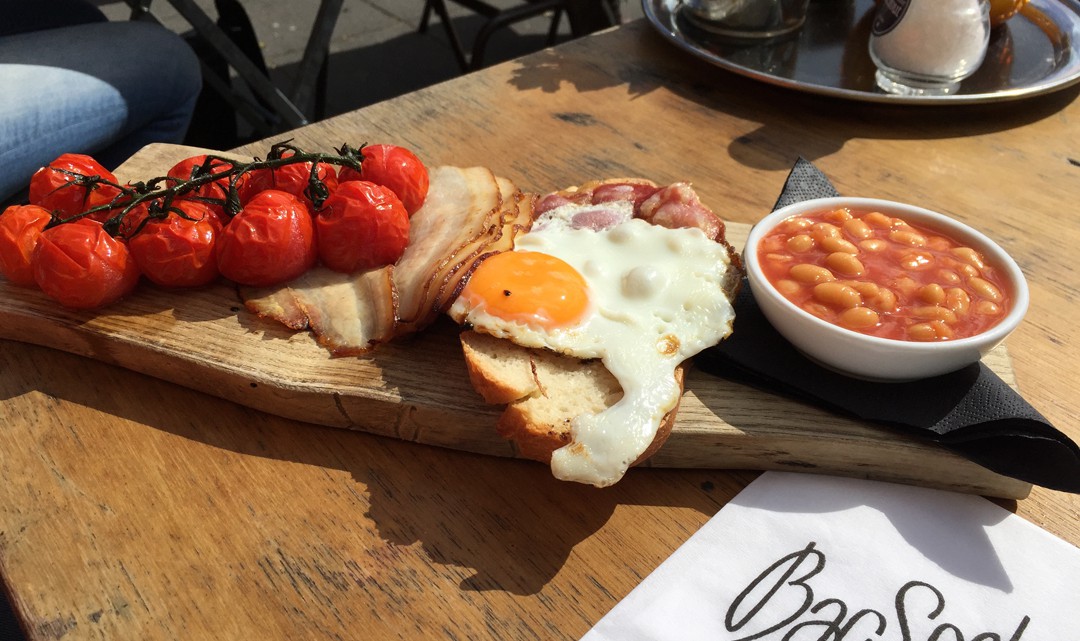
point(871, 357)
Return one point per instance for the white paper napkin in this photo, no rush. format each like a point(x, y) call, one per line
point(813, 558)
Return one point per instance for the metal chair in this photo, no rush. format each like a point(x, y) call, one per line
point(496, 19)
point(272, 109)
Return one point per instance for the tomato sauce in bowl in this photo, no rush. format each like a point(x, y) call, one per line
point(880, 275)
point(882, 290)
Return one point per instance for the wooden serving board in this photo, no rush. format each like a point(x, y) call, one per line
point(418, 390)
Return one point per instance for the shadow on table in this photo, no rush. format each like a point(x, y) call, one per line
point(507, 521)
point(515, 525)
point(777, 140)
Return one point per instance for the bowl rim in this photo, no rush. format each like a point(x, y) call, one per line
point(985, 245)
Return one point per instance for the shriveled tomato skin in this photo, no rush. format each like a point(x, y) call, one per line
point(178, 251)
point(217, 190)
point(132, 221)
point(54, 189)
point(20, 229)
point(271, 240)
point(361, 226)
point(396, 168)
point(81, 266)
point(293, 178)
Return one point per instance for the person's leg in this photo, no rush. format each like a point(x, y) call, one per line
point(104, 89)
point(47, 111)
point(23, 16)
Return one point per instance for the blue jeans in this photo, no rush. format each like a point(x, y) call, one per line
point(104, 88)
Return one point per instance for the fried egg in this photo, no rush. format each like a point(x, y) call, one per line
point(640, 297)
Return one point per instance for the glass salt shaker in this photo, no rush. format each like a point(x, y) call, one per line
point(926, 47)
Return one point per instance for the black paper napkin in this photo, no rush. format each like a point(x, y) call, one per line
point(970, 411)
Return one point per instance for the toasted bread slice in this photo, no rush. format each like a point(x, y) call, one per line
point(543, 391)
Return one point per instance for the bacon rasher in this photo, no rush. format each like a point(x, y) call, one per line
point(468, 213)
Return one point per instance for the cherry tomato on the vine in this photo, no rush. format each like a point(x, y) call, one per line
point(293, 178)
point(396, 168)
point(270, 241)
point(67, 185)
point(81, 266)
point(361, 226)
point(20, 228)
point(216, 190)
point(132, 221)
point(178, 251)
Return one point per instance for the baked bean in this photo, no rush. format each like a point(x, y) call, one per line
point(846, 264)
point(838, 216)
point(837, 294)
point(813, 274)
point(796, 225)
point(932, 293)
point(857, 229)
point(800, 244)
point(865, 288)
point(883, 276)
point(825, 230)
point(906, 286)
point(817, 309)
point(914, 260)
point(858, 318)
point(957, 300)
point(985, 289)
point(879, 220)
point(787, 287)
point(885, 301)
point(935, 312)
point(939, 243)
point(969, 256)
point(905, 237)
point(832, 244)
point(948, 277)
point(926, 332)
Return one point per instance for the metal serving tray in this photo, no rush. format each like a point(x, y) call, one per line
point(1033, 53)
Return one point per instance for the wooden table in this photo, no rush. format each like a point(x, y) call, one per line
point(132, 508)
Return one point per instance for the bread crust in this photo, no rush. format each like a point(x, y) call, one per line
point(538, 440)
point(543, 391)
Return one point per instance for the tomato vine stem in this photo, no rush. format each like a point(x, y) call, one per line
point(159, 193)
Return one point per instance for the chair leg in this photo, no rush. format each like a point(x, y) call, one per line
point(505, 18)
point(425, 17)
point(553, 30)
point(439, 6)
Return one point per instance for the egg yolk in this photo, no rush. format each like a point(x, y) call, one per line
point(530, 288)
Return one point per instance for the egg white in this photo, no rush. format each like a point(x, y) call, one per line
point(657, 299)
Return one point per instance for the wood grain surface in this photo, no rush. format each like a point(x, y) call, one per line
point(419, 390)
point(139, 507)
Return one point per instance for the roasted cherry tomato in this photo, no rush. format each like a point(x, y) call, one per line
point(361, 226)
point(20, 228)
point(132, 221)
point(396, 168)
point(270, 241)
point(212, 194)
point(71, 185)
point(178, 250)
point(294, 179)
point(81, 266)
